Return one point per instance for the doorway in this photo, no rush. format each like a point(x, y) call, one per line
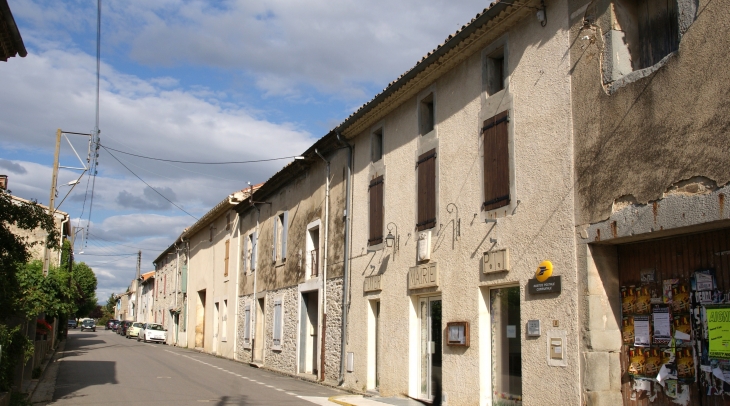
point(200, 320)
point(216, 324)
point(308, 327)
point(504, 309)
point(429, 312)
point(258, 340)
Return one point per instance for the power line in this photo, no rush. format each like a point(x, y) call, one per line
point(132, 172)
point(108, 255)
point(198, 162)
point(125, 245)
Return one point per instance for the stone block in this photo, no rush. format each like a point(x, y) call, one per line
point(614, 372)
point(604, 398)
point(596, 374)
point(604, 340)
point(600, 314)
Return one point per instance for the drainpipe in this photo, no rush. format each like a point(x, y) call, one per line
point(177, 272)
point(186, 302)
point(324, 265)
point(346, 270)
point(254, 250)
point(238, 277)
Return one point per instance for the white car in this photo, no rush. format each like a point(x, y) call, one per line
point(152, 332)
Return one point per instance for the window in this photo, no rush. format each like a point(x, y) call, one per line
point(249, 251)
point(426, 190)
point(247, 326)
point(228, 221)
point(376, 211)
point(224, 321)
point(496, 162)
point(495, 71)
point(210, 236)
point(278, 324)
point(225, 260)
point(649, 28)
point(376, 145)
point(281, 230)
point(426, 115)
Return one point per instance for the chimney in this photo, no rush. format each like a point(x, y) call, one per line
point(4, 182)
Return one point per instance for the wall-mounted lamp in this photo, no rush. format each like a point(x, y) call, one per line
point(391, 240)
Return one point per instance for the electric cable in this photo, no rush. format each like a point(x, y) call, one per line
point(125, 245)
point(155, 190)
point(199, 162)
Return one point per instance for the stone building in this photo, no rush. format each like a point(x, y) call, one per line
point(292, 256)
point(146, 298)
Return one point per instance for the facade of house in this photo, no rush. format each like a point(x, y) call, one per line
point(146, 298)
point(168, 292)
point(211, 246)
point(651, 141)
point(292, 239)
point(122, 310)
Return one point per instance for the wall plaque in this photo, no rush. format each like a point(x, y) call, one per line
point(372, 283)
point(423, 276)
point(550, 285)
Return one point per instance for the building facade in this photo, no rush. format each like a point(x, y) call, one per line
point(169, 294)
point(146, 298)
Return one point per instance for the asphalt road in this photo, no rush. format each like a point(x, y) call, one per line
point(103, 368)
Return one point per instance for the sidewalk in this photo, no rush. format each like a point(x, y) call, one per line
point(42, 392)
point(359, 400)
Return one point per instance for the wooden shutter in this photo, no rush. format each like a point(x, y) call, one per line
point(275, 239)
point(254, 248)
point(247, 325)
point(244, 254)
point(426, 190)
point(496, 162)
point(284, 232)
point(225, 269)
point(277, 323)
point(376, 211)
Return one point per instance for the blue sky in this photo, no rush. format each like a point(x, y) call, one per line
point(198, 81)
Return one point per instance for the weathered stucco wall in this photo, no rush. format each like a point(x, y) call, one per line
point(650, 133)
point(538, 228)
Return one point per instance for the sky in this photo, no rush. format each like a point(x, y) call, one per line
point(190, 80)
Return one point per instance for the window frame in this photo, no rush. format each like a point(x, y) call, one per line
point(376, 207)
point(377, 138)
point(427, 114)
point(277, 321)
point(247, 325)
point(496, 162)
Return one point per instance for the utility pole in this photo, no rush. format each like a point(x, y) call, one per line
point(139, 263)
point(52, 200)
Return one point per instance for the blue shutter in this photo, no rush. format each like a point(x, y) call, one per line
point(284, 234)
point(273, 246)
point(254, 249)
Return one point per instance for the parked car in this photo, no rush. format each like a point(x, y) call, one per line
point(133, 330)
point(111, 324)
point(123, 326)
point(152, 332)
point(88, 324)
point(71, 323)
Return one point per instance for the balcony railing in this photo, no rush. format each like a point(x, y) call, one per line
point(314, 255)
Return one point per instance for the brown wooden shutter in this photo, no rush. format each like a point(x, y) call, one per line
point(496, 162)
point(376, 211)
point(225, 269)
point(426, 190)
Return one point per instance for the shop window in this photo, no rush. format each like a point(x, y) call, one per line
point(496, 162)
point(426, 190)
point(376, 211)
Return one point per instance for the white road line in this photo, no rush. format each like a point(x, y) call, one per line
point(289, 393)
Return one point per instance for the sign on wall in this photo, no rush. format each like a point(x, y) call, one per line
point(423, 276)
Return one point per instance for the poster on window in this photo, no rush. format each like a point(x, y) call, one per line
point(718, 326)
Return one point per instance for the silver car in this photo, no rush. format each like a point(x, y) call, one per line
point(152, 332)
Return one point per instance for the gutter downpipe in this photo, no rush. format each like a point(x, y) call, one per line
point(324, 265)
point(186, 301)
point(177, 272)
point(346, 270)
point(237, 224)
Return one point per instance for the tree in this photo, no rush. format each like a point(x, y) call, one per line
point(111, 304)
point(85, 283)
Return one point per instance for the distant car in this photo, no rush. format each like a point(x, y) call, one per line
point(152, 332)
point(71, 323)
point(88, 325)
point(133, 330)
point(123, 326)
point(111, 324)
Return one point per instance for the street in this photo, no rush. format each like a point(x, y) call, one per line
point(103, 368)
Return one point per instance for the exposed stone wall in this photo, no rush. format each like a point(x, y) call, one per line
point(333, 332)
point(285, 359)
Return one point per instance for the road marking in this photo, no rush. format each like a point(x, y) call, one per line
point(164, 377)
point(289, 393)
